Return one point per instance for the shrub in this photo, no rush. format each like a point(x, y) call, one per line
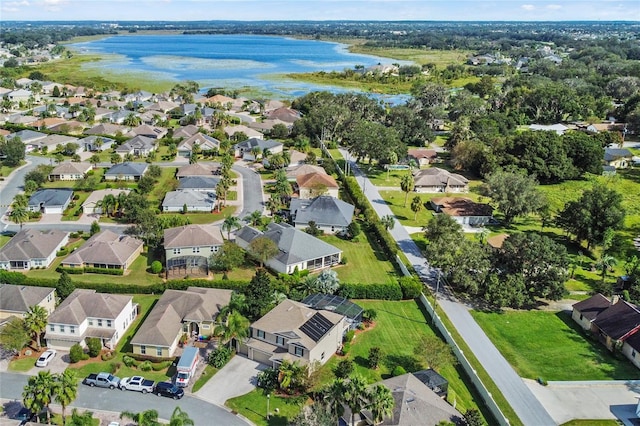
point(343, 260)
point(398, 371)
point(386, 291)
point(156, 267)
point(159, 366)
point(114, 367)
point(105, 271)
point(94, 345)
point(268, 379)
point(219, 357)
point(145, 366)
point(107, 356)
point(349, 335)
point(369, 315)
point(62, 252)
point(76, 354)
point(375, 354)
point(128, 361)
point(346, 347)
point(411, 287)
point(343, 369)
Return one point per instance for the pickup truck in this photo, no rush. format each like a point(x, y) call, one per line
point(137, 383)
point(103, 380)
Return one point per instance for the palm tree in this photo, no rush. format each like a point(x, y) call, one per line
point(36, 322)
point(94, 160)
point(393, 159)
point(235, 326)
point(388, 221)
point(132, 120)
point(108, 204)
point(356, 396)
point(334, 397)
point(180, 418)
point(255, 218)
point(230, 223)
point(237, 303)
point(20, 200)
point(66, 390)
point(605, 263)
point(84, 419)
point(38, 392)
point(145, 418)
point(273, 205)
point(416, 206)
point(19, 215)
point(407, 184)
point(381, 403)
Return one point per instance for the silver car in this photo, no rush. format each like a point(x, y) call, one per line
point(46, 358)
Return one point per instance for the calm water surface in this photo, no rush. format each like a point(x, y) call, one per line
point(232, 61)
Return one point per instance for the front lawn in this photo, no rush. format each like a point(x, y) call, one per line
point(22, 365)
point(253, 406)
point(551, 346)
point(209, 372)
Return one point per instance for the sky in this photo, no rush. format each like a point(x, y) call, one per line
point(381, 10)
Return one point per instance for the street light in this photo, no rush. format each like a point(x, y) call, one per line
point(268, 399)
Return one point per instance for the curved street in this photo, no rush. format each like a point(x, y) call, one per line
point(528, 408)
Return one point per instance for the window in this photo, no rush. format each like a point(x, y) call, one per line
point(109, 323)
point(322, 355)
point(143, 350)
point(158, 351)
point(280, 340)
point(72, 329)
point(260, 334)
point(215, 249)
point(633, 353)
point(49, 298)
point(196, 249)
point(298, 351)
point(99, 323)
point(90, 323)
point(52, 327)
point(176, 251)
point(62, 329)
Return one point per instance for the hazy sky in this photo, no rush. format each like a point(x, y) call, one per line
point(188, 10)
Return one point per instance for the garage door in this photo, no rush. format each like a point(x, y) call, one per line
point(261, 357)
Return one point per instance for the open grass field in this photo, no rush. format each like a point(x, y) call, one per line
point(551, 346)
point(254, 407)
point(441, 58)
point(398, 327)
point(366, 263)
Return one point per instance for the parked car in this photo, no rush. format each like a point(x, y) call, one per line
point(137, 383)
point(103, 380)
point(169, 390)
point(46, 358)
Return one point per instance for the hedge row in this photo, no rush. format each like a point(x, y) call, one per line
point(388, 291)
point(90, 270)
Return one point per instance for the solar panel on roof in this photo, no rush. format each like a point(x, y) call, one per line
point(316, 327)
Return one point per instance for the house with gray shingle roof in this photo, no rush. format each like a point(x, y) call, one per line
point(137, 146)
point(51, 142)
point(109, 129)
point(95, 143)
point(188, 248)
point(106, 249)
point(86, 313)
point(620, 158)
point(198, 169)
point(204, 142)
point(16, 300)
point(50, 201)
point(196, 201)
point(191, 311)
point(70, 171)
point(199, 183)
point(296, 249)
point(434, 179)
point(244, 149)
point(31, 248)
point(126, 171)
point(330, 214)
point(29, 138)
point(293, 331)
point(148, 131)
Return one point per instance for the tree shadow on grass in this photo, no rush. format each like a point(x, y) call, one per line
point(361, 361)
point(408, 362)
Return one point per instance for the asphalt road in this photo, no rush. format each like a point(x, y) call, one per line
point(528, 408)
point(200, 411)
point(10, 188)
point(252, 196)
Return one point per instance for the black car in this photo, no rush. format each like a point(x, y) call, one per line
point(25, 415)
point(169, 390)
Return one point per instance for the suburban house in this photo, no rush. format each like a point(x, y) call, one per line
point(16, 300)
point(245, 149)
point(50, 201)
point(433, 180)
point(620, 158)
point(585, 311)
point(51, 142)
point(199, 183)
point(28, 137)
point(195, 201)
point(295, 332)
point(86, 313)
point(312, 185)
point(337, 304)
point(126, 171)
point(297, 249)
point(95, 143)
point(31, 248)
point(463, 210)
point(415, 404)
point(302, 169)
point(184, 132)
point(192, 312)
point(247, 131)
point(148, 131)
point(106, 249)
point(93, 203)
point(139, 146)
point(285, 114)
point(70, 171)
point(423, 157)
point(330, 215)
point(558, 128)
point(204, 143)
point(197, 169)
point(109, 129)
point(188, 248)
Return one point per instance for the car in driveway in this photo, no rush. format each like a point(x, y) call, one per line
point(169, 390)
point(46, 358)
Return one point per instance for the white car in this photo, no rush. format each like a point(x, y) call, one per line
point(45, 358)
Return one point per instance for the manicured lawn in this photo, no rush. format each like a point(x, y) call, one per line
point(254, 407)
point(395, 201)
point(167, 182)
point(72, 213)
point(366, 264)
point(4, 239)
point(549, 345)
point(398, 327)
point(22, 365)
point(6, 170)
point(603, 422)
point(204, 218)
point(208, 373)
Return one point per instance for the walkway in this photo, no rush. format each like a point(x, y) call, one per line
point(528, 408)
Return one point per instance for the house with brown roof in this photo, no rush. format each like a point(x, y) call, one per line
point(616, 323)
point(109, 129)
point(192, 311)
point(464, 210)
point(295, 332)
point(106, 249)
point(93, 203)
point(185, 132)
point(285, 114)
point(31, 248)
point(16, 300)
point(314, 184)
point(434, 180)
point(70, 171)
point(152, 132)
point(198, 169)
point(423, 157)
point(203, 142)
point(138, 146)
point(302, 169)
point(188, 248)
point(585, 311)
point(86, 313)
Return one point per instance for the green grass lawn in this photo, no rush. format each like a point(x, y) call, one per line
point(399, 325)
point(603, 422)
point(22, 365)
point(4, 239)
point(366, 263)
point(167, 182)
point(253, 406)
point(550, 345)
point(73, 212)
point(208, 373)
point(6, 170)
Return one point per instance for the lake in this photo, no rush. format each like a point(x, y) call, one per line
point(230, 61)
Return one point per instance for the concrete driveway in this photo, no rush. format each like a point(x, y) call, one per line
point(236, 378)
point(58, 364)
